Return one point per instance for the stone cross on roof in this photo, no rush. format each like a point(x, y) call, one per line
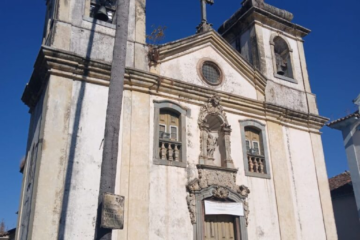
point(204, 25)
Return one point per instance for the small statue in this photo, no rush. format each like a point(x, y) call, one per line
point(212, 142)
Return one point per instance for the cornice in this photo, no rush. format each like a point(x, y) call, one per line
point(68, 65)
point(246, 16)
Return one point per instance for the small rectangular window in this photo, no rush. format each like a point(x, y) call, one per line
point(173, 133)
point(256, 148)
point(247, 146)
point(162, 131)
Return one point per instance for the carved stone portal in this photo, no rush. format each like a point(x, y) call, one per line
point(223, 186)
point(212, 121)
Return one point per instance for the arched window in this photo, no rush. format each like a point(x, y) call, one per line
point(256, 160)
point(169, 134)
point(282, 58)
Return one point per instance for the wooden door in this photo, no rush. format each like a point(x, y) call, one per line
point(218, 227)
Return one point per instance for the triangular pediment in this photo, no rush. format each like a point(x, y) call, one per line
point(183, 59)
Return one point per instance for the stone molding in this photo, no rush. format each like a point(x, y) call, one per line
point(66, 64)
point(220, 184)
point(264, 13)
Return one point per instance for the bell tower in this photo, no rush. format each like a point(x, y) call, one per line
point(87, 28)
point(69, 84)
point(267, 38)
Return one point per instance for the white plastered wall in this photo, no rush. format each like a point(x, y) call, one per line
point(86, 133)
point(184, 66)
point(308, 209)
point(169, 214)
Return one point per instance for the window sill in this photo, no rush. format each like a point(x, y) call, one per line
point(257, 175)
point(99, 22)
point(285, 78)
point(169, 163)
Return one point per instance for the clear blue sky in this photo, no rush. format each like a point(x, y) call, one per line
point(332, 51)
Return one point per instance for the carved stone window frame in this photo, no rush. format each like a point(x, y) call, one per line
point(272, 45)
point(261, 128)
point(166, 104)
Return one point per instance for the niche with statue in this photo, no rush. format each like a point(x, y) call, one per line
point(215, 133)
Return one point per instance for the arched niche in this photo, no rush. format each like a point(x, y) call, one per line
point(215, 145)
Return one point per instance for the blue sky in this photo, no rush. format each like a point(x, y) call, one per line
point(332, 51)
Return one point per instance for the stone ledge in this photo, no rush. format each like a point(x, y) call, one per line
point(55, 62)
point(169, 163)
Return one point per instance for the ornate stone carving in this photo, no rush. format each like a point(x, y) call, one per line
point(243, 191)
point(246, 212)
point(191, 201)
point(221, 192)
point(223, 182)
point(212, 107)
point(208, 142)
point(218, 178)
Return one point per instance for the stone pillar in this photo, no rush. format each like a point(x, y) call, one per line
point(228, 162)
point(281, 178)
point(203, 159)
point(323, 185)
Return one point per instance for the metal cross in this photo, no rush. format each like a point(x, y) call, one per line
point(203, 9)
point(204, 25)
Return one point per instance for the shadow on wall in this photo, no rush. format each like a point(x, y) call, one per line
point(73, 141)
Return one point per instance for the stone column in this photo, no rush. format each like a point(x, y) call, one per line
point(228, 162)
point(281, 178)
point(203, 143)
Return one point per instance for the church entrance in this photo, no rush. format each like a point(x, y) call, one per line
point(222, 227)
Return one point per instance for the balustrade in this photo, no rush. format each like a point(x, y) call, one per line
point(169, 150)
point(256, 164)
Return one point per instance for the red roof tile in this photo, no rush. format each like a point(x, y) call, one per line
point(339, 180)
point(355, 114)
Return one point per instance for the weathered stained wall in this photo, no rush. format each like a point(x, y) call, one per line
point(32, 162)
point(84, 154)
point(185, 66)
point(74, 31)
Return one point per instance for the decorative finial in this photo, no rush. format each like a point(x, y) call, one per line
point(204, 25)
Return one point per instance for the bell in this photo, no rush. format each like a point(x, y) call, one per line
point(101, 14)
point(280, 70)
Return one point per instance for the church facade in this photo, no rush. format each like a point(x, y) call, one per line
point(219, 131)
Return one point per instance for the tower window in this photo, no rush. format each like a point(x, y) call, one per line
point(103, 10)
point(282, 59)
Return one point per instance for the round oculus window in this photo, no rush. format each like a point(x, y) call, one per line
point(211, 73)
